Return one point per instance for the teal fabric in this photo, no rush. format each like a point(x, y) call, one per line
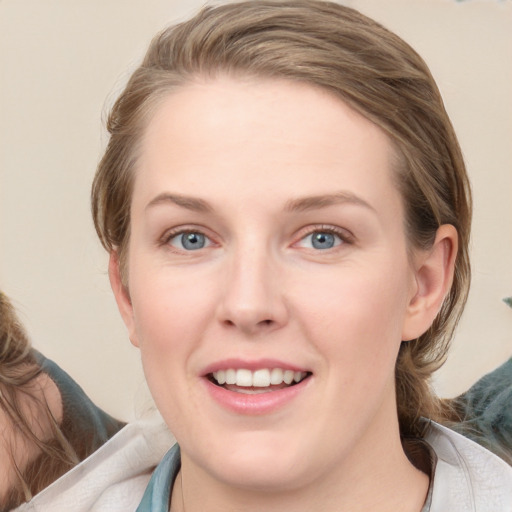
point(84, 424)
point(486, 412)
point(157, 496)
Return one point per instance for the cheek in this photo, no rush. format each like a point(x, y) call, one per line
point(162, 320)
point(359, 293)
point(168, 328)
point(172, 310)
point(357, 314)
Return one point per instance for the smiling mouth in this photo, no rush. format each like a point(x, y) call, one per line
point(259, 381)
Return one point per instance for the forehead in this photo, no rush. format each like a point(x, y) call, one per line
point(262, 138)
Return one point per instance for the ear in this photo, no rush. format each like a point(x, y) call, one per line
point(122, 296)
point(433, 271)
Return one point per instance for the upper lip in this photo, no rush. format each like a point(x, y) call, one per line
point(252, 365)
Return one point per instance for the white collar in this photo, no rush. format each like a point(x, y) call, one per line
point(467, 477)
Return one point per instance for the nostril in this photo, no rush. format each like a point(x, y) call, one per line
point(250, 326)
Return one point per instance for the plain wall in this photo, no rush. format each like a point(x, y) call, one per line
point(61, 64)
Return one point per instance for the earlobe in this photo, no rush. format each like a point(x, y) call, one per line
point(122, 296)
point(434, 270)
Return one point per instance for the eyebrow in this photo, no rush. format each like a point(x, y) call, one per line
point(322, 201)
point(301, 204)
point(187, 202)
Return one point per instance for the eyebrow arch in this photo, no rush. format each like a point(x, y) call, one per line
point(187, 202)
point(323, 201)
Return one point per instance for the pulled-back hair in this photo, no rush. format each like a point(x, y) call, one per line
point(370, 68)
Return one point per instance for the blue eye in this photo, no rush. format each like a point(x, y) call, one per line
point(189, 241)
point(321, 240)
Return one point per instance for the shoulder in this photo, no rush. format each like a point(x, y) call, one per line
point(486, 409)
point(112, 479)
point(84, 424)
point(467, 476)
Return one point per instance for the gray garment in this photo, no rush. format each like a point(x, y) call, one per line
point(114, 477)
point(486, 412)
point(465, 477)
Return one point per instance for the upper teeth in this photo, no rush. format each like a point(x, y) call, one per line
point(259, 378)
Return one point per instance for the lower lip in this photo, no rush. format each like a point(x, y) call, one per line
point(254, 404)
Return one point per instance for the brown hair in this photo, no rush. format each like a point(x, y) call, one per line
point(19, 394)
point(367, 66)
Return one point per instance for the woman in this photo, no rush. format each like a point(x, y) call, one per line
point(287, 214)
point(48, 424)
point(30, 412)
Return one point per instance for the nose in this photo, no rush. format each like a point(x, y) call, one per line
point(253, 296)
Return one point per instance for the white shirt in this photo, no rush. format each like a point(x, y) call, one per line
point(113, 478)
point(467, 477)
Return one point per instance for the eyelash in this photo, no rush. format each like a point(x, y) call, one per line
point(174, 233)
point(344, 236)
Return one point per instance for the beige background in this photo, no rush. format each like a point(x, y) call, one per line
point(60, 60)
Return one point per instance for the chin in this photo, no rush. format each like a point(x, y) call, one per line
point(263, 476)
point(261, 464)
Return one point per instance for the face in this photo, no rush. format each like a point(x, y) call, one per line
point(269, 280)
